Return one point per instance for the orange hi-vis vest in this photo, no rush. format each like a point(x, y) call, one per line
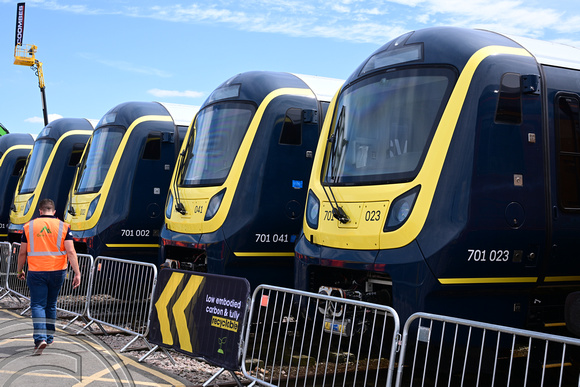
point(45, 248)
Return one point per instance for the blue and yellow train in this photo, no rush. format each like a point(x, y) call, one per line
point(14, 150)
point(116, 200)
point(447, 180)
point(237, 199)
point(49, 170)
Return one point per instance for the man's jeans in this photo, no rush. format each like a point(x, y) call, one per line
point(44, 287)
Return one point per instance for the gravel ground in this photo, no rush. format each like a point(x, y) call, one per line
point(195, 371)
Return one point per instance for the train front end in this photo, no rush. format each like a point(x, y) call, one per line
point(404, 206)
point(237, 198)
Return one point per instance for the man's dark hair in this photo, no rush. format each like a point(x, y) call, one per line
point(46, 205)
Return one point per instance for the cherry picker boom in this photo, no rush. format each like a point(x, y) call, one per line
point(24, 55)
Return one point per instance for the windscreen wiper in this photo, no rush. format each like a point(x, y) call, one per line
point(337, 211)
point(179, 207)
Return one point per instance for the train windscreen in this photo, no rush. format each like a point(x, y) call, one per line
point(98, 159)
point(38, 159)
point(218, 132)
point(383, 126)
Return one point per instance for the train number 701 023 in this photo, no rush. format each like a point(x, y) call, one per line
point(488, 256)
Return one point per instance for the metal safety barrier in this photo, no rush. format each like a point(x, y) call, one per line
point(14, 285)
point(301, 338)
point(447, 351)
point(4, 258)
point(120, 296)
point(76, 301)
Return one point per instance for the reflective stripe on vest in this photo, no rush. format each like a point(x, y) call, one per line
point(41, 259)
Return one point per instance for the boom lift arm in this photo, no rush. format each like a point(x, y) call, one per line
point(24, 55)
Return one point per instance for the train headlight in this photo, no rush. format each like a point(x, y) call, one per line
point(312, 210)
point(93, 207)
point(401, 209)
point(214, 205)
point(169, 206)
point(28, 204)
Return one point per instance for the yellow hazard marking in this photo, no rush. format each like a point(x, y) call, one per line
point(179, 311)
point(161, 307)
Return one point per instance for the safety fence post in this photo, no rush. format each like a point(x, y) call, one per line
point(120, 296)
point(300, 338)
point(441, 350)
point(76, 301)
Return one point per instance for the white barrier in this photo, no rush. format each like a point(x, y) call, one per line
point(5, 248)
point(120, 296)
point(318, 340)
point(76, 301)
point(450, 351)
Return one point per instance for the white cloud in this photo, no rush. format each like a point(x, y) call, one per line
point(127, 66)
point(40, 120)
point(317, 18)
point(175, 93)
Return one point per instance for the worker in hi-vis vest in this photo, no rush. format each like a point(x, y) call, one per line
point(47, 244)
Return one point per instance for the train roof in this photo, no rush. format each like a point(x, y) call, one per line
point(13, 139)
point(256, 85)
point(181, 114)
point(124, 114)
point(57, 128)
point(324, 88)
point(455, 46)
point(550, 53)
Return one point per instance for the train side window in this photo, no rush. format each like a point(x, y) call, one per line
point(152, 149)
point(19, 167)
point(292, 128)
point(76, 154)
point(568, 126)
point(509, 102)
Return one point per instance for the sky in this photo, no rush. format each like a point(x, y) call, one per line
point(98, 54)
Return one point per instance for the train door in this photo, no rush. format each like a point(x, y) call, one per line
point(150, 187)
point(563, 264)
point(287, 173)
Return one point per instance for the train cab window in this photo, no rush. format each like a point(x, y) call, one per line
point(567, 116)
point(292, 129)
point(509, 102)
point(19, 167)
point(76, 154)
point(152, 149)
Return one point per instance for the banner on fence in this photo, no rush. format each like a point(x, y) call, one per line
point(201, 315)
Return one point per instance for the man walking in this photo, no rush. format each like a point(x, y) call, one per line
point(46, 243)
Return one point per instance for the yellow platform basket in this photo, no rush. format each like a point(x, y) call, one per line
point(24, 55)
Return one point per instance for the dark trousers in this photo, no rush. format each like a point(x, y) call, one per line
point(44, 287)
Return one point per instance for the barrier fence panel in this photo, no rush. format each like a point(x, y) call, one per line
point(446, 351)
point(200, 315)
point(76, 301)
point(4, 258)
point(15, 286)
point(307, 339)
point(120, 295)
